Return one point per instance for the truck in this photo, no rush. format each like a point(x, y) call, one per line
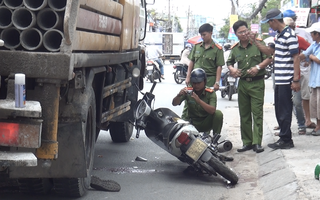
point(171, 44)
point(83, 64)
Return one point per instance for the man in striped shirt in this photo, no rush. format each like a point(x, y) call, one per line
point(287, 64)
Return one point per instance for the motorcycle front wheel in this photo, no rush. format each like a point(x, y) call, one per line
point(223, 170)
point(223, 93)
point(177, 74)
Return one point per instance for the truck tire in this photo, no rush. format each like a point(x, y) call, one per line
point(35, 185)
point(120, 131)
point(77, 187)
point(223, 170)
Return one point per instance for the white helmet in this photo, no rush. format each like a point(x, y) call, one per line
point(188, 46)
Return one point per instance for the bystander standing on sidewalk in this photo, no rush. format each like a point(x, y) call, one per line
point(313, 54)
point(287, 64)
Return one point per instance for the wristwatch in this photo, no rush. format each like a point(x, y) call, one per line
point(258, 67)
point(217, 83)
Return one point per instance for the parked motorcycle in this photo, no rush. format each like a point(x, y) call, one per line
point(181, 139)
point(153, 71)
point(269, 71)
point(228, 85)
point(180, 73)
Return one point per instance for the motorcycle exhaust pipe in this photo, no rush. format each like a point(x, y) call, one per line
point(13, 4)
point(23, 18)
point(5, 17)
point(31, 39)
point(35, 5)
point(49, 19)
point(52, 40)
point(11, 37)
point(57, 5)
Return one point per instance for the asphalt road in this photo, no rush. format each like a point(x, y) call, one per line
point(162, 175)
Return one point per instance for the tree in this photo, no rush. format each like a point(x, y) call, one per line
point(250, 14)
point(161, 21)
point(224, 31)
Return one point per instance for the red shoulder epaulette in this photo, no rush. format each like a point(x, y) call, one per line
point(219, 47)
point(189, 88)
point(235, 44)
point(209, 90)
point(259, 39)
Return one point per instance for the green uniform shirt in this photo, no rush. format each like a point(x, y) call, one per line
point(194, 109)
point(207, 59)
point(246, 58)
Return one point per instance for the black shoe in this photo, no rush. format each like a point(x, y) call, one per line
point(245, 148)
point(258, 148)
point(280, 144)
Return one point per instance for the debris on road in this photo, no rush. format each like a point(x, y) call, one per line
point(139, 158)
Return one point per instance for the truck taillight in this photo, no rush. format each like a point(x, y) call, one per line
point(25, 133)
point(9, 133)
point(184, 138)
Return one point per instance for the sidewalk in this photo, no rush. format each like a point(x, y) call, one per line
point(281, 174)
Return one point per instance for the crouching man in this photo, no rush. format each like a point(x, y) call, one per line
point(202, 103)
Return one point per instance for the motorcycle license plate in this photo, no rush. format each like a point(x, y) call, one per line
point(196, 149)
point(149, 67)
point(231, 79)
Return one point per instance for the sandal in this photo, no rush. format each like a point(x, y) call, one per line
point(311, 125)
point(276, 128)
point(302, 131)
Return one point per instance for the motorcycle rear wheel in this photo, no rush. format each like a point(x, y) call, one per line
point(223, 93)
point(230, 92)
point(223, 170)
point(176, 77)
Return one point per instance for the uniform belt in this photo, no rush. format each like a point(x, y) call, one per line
point(249, 79)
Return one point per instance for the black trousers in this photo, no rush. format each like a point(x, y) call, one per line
point(283, 108)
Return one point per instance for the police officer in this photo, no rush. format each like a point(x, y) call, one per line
point(202, 103)
point(206, 55)
point(251, 70)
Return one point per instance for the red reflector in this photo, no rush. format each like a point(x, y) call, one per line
point(149, 62)
point(183, 138)
point(9, 133)
point(174, 66)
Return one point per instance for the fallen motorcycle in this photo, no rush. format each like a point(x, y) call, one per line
point(181, 139)
point(180, 73)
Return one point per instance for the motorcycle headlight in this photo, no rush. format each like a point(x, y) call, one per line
point(142, 110)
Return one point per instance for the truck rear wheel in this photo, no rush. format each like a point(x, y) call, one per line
point(35, 185)
point(120, 131)
point(77, 187)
